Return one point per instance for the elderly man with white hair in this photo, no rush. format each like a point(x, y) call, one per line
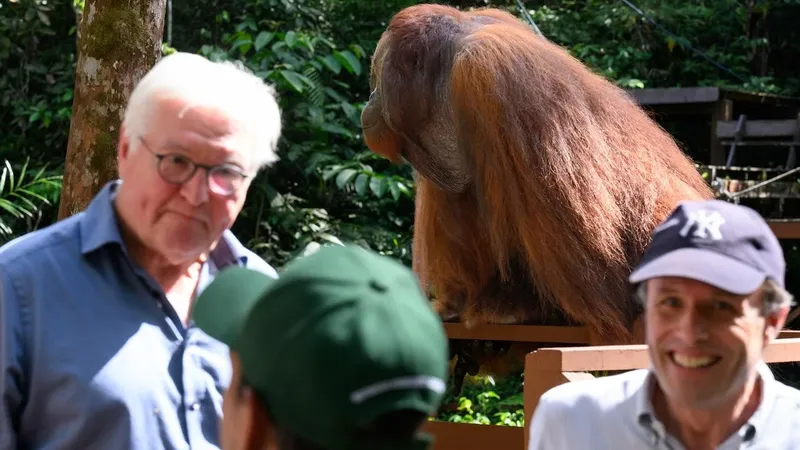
point(97, 349)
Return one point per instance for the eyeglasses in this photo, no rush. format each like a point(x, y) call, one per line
point(174, 168)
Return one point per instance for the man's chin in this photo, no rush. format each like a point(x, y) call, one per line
point(184, 256)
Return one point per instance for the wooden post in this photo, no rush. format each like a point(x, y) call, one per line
point(721, 110)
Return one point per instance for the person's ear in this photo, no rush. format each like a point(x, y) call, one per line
point(774, 324)
point(123, 151)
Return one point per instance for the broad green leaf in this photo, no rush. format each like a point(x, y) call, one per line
point(263, 39)
point(362, 182)
point(294, 79)
point(332, 64)
point(337, 129)
point(351, 112)
point(307, 81)
point(394, 190)
point(345, 176)
point(358, 50)
point(349, 61)
point(378, 186)
point(331, 171)
point(403, 188)
point(290, 39)
point(243, 45)
point(326, 41)
point(335, 95)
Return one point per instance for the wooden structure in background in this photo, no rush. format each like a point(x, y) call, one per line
point(714, 104)
point(548, 367)
point(785, 229)
point(760, 133)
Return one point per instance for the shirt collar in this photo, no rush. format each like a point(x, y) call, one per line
point(100, 227)
point(645, 414)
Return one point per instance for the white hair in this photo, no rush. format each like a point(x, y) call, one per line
point(229, 87)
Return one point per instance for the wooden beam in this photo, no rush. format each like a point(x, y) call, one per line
point(785, 229)
point(465, 436)
point(757, 128)
point(519, 333)
point(631, 357)
point(721, 111)
point(772, 100)
point(672, 96)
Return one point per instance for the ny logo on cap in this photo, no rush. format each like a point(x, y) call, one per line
point(706, 224)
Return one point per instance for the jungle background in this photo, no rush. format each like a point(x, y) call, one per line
point(327, 186)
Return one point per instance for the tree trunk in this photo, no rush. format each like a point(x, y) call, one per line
point(118, 42)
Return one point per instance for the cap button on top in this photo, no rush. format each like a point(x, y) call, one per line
point(377, 285)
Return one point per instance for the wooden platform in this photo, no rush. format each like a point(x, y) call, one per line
point(785, 229)
point(713, 104)
point(707, 95)
point(535, 333)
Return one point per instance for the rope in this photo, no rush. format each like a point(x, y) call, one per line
point(684, 42)
point(734, 196)
point(529, 18)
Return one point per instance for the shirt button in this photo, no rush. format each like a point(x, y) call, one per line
point(194, 406)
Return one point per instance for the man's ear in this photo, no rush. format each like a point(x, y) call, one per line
point(123, 150)
point(774, 324)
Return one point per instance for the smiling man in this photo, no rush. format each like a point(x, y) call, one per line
point(96, 347)
point(712, 284)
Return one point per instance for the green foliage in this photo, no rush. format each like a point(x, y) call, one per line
point(37, 60)
point(622, 45)
point(24, 198)
point(486, 401)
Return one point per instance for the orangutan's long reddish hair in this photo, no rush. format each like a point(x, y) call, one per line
point(569, 175)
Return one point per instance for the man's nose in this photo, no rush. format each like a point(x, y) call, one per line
point(693, 326)
point(195, 189)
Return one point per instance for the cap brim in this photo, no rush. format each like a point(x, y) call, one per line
point(221, 309)
point(708, 267)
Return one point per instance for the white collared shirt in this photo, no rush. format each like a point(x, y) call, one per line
point(615, 413)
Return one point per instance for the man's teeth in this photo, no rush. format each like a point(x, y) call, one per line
point(693, 362)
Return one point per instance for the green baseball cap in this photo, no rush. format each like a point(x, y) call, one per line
point(342, 337)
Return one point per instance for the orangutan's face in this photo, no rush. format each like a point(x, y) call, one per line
point(430, 145)
point(378, 136)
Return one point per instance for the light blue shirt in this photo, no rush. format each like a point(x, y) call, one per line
point(615, 413)
point(92, 355)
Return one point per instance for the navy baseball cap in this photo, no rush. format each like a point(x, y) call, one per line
point(728, 246)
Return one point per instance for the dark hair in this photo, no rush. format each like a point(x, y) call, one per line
point(396, 425)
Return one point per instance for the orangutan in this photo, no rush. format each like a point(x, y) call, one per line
point(538, 181)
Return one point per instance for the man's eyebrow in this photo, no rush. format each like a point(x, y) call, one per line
point(665, 289)
point(175, 145)
point(232, 159)
point(716, 293)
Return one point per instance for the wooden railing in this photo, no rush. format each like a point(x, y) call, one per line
point(785, 229)
point(548, 367)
